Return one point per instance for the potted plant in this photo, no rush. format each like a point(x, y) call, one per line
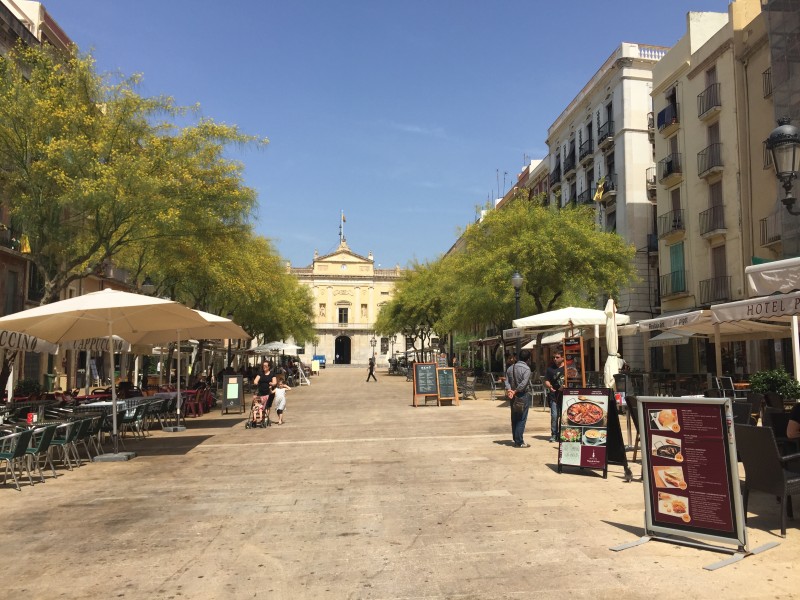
point(775, 380)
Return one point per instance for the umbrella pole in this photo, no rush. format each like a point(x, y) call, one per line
point(114, 433)
point(178, 383)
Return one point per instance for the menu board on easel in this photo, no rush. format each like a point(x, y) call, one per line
point(425, 381)
point(574, 371)
point(448, 389)
point(584, 429)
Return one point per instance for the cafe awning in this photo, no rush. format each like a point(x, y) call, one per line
point(776, 276)
point(675, 337)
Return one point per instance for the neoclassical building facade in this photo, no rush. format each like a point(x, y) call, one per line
point(348, 293)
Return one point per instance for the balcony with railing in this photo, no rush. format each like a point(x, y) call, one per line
point(712, 221)
point(715, 290)
point(673, 284)
point(586, 196)
point(569, 164)
point(555, 176)
point(766, 82)
point(670, 169)
point(605, 134)
point(586, 150)
point(709, 160)
point(668, 120)
point(771, 230)
point(650, 182)
point(671, 223)
point(709, 101)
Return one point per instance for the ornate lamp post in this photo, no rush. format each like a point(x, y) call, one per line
point(393, 339)
point(784, 145)
point(517, 281)
point(373, 342)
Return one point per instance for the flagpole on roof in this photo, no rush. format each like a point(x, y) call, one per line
point(341, 228)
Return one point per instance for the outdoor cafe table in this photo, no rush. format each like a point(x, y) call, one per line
point(90, 397)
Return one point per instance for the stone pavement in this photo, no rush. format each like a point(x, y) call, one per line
point(360, 495)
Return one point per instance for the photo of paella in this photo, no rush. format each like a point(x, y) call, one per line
point(666, 447)
point(581, 411)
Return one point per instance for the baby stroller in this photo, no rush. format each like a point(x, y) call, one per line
point(257, 416)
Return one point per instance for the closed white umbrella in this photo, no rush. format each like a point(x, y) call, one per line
point(99, 314)
point(612, 344)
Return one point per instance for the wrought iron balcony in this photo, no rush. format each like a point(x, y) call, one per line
point(771, 230)
point(673, 283)
point(650, 180)
point(670, 167)
point(586, 196)
point(709, 101)
point(569, 164)
point(715, 290)
point(712, 219)
point(586, 149)
point(671, 222)
point(766, 82)
point(651, 127)
point(605, 134)
point(668, 117)
point(555, 176)
point(709, 160)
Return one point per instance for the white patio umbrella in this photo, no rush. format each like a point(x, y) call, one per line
point(612, 344)
point(213, 327)
point(98, 314)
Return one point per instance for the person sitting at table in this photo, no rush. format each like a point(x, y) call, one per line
point(793, 427)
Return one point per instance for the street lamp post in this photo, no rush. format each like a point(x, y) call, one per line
point(393, 339)
point(373, 343)
point(784, 145)
point(517, 281)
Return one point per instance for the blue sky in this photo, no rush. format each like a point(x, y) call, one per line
point(404, 115)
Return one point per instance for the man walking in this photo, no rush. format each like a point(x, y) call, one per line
point(371, 370)
point(553, 380)
point(518, 376)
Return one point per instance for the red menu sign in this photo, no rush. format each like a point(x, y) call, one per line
point(583, 428)
point(689, 467)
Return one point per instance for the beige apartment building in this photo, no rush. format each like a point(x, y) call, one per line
point(602, 138)
point(716, 192)
point(348, 293)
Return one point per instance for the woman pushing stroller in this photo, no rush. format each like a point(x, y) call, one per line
point(266, 382)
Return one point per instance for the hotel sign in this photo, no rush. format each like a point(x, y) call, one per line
point(769, 307)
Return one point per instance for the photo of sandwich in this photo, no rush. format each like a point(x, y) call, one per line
point(669, 477)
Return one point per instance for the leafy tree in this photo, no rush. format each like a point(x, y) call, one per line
point(88, 169)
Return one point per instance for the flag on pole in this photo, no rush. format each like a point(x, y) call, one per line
point(598, 194)
point(343, 219)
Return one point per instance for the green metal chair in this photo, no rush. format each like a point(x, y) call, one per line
point(42, 449)
point(66, 444)
point(17, 455)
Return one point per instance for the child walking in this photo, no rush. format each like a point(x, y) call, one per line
point(280, 397)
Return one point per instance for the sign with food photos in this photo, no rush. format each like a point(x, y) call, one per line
point(689, 468)
point(583, 428)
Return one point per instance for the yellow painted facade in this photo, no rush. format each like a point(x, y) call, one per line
point(348, 292)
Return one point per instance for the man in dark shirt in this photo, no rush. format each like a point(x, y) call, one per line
point(553, 380)
point(518, 377)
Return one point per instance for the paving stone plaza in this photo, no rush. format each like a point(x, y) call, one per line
point(360, 495)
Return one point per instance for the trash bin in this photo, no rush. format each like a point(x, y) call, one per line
point(49, 381)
